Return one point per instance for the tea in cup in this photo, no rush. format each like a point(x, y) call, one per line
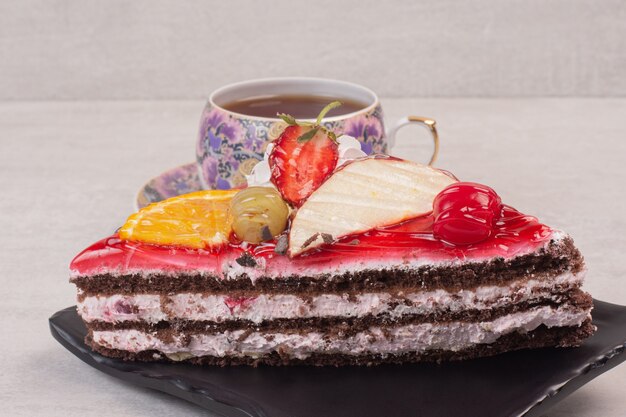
point(240, 120)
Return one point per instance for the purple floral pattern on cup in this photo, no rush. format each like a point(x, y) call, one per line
point(220, 149)
point(229, 145)
point(369, 130)
point(174, 182)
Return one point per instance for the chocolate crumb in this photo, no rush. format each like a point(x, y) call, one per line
point(266, 234)
point(388, 335)
point(327, 238)
point(185, 340)
point(354, 242)
point(243, 336)
point(282, 243)
point(283, 353)
point(310, 240)
point(246, 260)
point(164, 301)
point(352, 297)
point(307, 298)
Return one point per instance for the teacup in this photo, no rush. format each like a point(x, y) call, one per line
point(231, 143)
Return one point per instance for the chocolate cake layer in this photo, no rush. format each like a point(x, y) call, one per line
point(576, 298)
point(538, 338)
point(397, 291)
point(555, 258)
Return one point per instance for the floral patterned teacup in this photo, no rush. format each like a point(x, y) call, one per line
point(230, 144)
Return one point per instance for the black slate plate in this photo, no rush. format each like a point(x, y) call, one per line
point(517, 383)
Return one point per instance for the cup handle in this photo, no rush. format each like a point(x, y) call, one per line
point(426, 122)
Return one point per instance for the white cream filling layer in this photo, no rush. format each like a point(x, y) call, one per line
point(454, 336)
point(153, 308)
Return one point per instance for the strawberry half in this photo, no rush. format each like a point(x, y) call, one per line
point(303, 157)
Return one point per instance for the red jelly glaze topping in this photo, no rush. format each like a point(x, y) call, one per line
point(114, 254)
point(413, 240)
point(514, 233)
point(465, 213)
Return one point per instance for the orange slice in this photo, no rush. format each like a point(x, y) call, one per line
point(196, 220)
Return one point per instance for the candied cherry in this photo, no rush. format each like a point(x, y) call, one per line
point(465, 213)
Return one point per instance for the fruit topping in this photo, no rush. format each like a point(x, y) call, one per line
point(466, 213)
point(362, 195)
point(303, 157)
point(197, 220)
point(258, 214)
point(238, 304)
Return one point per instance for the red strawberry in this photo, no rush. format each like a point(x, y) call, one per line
point(304, 155)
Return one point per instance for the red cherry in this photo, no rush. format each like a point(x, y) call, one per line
point(465, 213)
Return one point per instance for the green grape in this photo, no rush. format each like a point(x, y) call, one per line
point(258, 214)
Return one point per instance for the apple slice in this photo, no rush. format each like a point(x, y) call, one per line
point(362, 195)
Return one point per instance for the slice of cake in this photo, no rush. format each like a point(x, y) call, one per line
point(328, 260)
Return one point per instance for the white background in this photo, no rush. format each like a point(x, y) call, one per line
point(64, 49)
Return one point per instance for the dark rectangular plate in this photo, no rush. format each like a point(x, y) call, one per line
point(513, 384)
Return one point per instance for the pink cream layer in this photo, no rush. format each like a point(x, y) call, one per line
point(410, 243)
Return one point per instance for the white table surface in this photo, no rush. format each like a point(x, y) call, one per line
point(69, 172)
